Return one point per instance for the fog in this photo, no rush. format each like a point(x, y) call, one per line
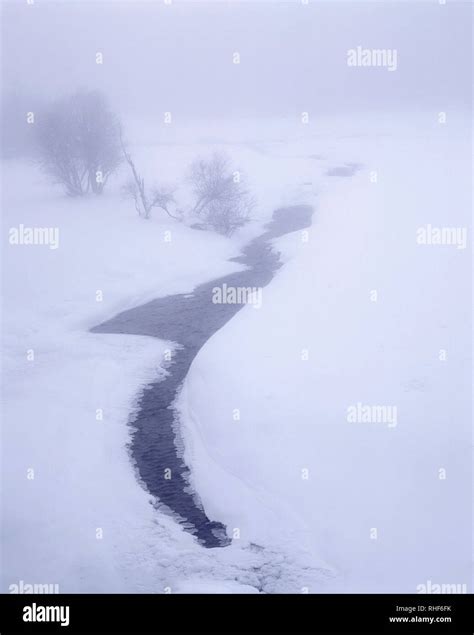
point(179, 57)
point(250, 329)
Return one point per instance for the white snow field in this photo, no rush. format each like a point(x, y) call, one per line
point(299, 487)
point(385, 505)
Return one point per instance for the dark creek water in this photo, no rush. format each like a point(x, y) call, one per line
point(190, 320)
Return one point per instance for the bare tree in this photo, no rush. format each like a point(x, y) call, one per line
point(145, 200)
point(78, 143)
point(221, 201)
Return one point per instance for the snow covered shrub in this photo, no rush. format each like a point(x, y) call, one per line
point(78, 143)
point(221, 201)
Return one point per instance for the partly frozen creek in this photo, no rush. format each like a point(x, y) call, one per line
point(189, 320)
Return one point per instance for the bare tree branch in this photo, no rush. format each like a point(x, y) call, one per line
point(144, 203)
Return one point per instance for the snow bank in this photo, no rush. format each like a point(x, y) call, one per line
point(360, 314)
point(73, 511)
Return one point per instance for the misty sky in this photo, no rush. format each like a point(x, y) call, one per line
point(293, 57)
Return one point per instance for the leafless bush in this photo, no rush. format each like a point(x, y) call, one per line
point(145, 200)
point(78, 143)
point(221, 201)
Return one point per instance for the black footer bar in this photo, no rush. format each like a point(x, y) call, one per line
point(237, 614)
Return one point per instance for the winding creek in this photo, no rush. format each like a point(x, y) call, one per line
point(190, 320)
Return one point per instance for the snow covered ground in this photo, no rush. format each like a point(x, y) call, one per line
point(73, 512)
point(66, 410)
point(361, 314)
point(304, 487)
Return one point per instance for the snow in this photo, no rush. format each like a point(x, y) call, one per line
point(294, 534)
point(293, 422)
point(83, 478)
point(83, 521)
